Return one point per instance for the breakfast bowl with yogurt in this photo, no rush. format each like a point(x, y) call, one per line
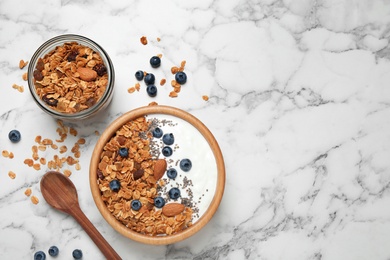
point(157, 175)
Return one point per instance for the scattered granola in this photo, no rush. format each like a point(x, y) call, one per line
point(22, 64)
point(162, 82)
point(34, 200)
point(25, 76)
point(144, 40)
point(12, 175)
point(28, 192)
point(205, 97)
point(18, 88)
point(57, 162)
point(70, 78)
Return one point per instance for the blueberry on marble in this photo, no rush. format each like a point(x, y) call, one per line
point(123, 152)
point(155, 61)
point(181, 77)
point(151, 90)
point(139, 75)
point(53, 251)
point(149, 79)
point(171, 173)
point(168, 139)
point(77, 254)
point(40, 255)
point(157, 132)
point(167, 151)
point(14, 136)
point(174, 193)
point(159, 202)
point(136, 204)
point(185, 165)
point(115, 185)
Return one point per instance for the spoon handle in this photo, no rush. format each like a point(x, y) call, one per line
point(95, 235)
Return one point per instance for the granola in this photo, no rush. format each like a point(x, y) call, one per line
point(135, 173)
point(70, 78)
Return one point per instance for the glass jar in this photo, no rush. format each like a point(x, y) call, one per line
point(63, 80)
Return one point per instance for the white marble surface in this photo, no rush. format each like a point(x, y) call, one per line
point(299, 103)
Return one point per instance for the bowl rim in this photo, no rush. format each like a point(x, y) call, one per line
point(50, 45)
point(109, 132)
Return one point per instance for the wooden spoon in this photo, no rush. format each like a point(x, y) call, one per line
point(60, 192)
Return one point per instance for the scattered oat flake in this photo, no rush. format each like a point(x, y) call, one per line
point(37, 166)
point(73, 131)
point(159, 55)
point(38, 139)
point(144, 40)
point(81, 141)
point(42, 161)
point(174, 70)
point(77, 166)
point(29, 162)
point(22, 64)
point(131, 90)
point(12, 175)
point(173, 94)
point(5, 153)
point(25, 76)
point(11, 155)
point(34, 200)
point(205, 97)
point(18, 88)
point(183, 64)
point(154, 103)
point(158, 39)
point(162, 82)
point(137, 86)
point(67, 173)
point(28, 192)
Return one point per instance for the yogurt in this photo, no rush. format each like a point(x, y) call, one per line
point(198, 185)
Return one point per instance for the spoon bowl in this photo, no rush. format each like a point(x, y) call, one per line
point(60, 193)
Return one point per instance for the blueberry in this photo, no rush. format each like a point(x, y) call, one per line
point(181, 77)
point(151, 90)
point(171, 173)
point(168, 139)
point(139, 75)
point(157, 132)
point(149, 79)
point(167, 151)
point(136, 204)
point(40, 255)
point(77, 254)
point(53, 251)
point(174, 193)
point(155, 61)
point(14, 136)
point(123, 152)
point(159, 202)
point(185, 165)
point(115, 185)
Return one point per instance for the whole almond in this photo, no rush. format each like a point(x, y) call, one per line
point(172, 209)
point(87, 74)
point(159, 169)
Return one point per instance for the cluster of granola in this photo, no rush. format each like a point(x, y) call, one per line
point(70, 78)
point(58, 161)
point(137, 181)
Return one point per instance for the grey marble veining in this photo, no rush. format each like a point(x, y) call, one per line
point(299, 103)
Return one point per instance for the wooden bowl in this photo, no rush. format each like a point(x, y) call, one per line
point(220, 182)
